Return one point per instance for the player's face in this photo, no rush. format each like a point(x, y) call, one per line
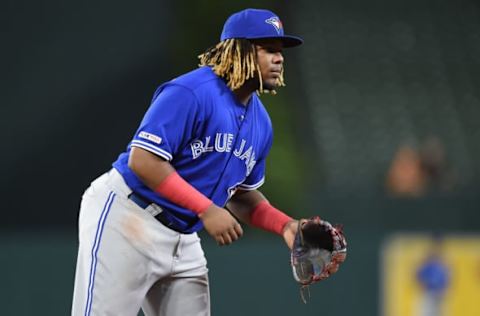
point(270, 61)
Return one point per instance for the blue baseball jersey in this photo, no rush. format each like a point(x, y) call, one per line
point(215, 143)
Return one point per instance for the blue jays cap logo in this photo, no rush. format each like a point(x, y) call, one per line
point(275, 21)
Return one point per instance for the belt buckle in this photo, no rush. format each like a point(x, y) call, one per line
point(153, 209)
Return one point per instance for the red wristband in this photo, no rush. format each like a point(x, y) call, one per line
point(180, 192)
point(267, 217)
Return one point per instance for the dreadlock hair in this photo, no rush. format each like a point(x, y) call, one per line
point(235, 60)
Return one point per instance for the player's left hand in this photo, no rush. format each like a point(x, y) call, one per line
point(289, 232)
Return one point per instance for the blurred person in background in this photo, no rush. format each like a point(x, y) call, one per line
point(434, 162)
point(406, 177)
point(415, 172)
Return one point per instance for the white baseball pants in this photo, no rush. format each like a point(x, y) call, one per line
point(127, 260)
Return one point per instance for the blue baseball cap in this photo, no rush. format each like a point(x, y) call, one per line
point(257, 24)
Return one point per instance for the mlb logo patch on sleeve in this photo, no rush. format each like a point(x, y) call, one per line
point(153, 138)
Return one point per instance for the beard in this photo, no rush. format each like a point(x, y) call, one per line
point(268, 85)
point(271, 84)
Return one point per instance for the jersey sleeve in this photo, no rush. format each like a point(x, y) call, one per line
point(256, 178)
point(168, 123)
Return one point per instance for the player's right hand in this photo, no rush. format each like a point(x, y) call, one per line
point(221, 225)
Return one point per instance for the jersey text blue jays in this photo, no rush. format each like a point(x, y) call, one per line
point(214, 142)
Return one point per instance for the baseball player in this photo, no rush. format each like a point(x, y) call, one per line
point(197, 157)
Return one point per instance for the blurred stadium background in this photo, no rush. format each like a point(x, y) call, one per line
point(378, 129)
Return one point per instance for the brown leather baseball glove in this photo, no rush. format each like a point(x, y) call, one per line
point(318, 250)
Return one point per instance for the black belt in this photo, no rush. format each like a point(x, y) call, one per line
point(165, 218)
